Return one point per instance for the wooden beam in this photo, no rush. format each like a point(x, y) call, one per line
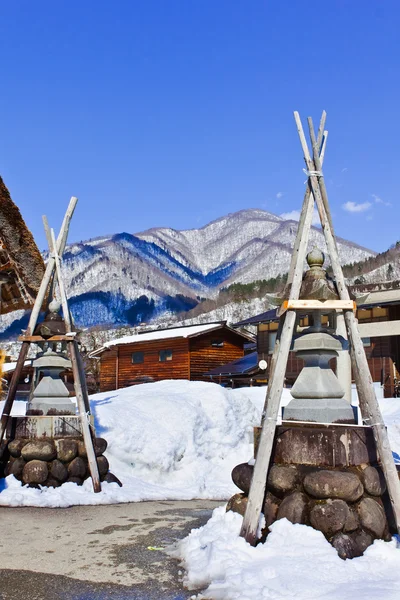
point(79, 385)
point(61, 241)
point(54, 338)
point(317, 305)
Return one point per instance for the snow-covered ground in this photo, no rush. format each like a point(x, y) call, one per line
point(171, 440)
point(180, 440)
point(295, 563)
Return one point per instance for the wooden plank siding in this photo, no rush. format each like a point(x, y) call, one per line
point(204, 356)
point(191, 358)
point(177, 368)
point(151, 367)
point(108, 379)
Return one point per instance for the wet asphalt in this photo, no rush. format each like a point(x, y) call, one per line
point(96, 552)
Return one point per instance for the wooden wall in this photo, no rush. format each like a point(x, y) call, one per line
point(108, 379)
point(204, 357)
point(151, 367)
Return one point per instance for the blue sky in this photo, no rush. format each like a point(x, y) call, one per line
point(175, 112)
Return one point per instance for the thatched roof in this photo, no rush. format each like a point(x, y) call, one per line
point(20, 258)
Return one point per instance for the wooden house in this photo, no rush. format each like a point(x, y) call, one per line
point(379, 325)
point(177, 353)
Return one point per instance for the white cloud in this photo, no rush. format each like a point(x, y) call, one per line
point(345, 169)
point(279, 195)
point(379, 200)
point(294, 215)
point(353, 207)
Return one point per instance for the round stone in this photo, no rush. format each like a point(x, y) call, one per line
point(58, 470)
point(372, 516)
point(100, 446)
point(103, 466)
point(374, 481)
point(38, 450)
point(35, 471)
point(350, 545)
point(15, 447)
point(67, 449)
point(51, 483)
point(76, 468)
point(352, 522)
point(17, 468)
point(333, 484)
point(293, 508)
point(76, 480)
point(237, 504)
point(329, 517)
point(270, 508)
point(111, 478)
point(282, 479)
point(241, 476)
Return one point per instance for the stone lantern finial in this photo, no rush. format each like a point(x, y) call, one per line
point(315, 258)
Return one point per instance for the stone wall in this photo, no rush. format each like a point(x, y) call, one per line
point(52, 462)
point(329, 482)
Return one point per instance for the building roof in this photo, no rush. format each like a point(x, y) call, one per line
point(20, 258)
point(189, 331)
point(381, 298)
point(269, 315)
point(241, 366)
point(10, 366)
point(378, 298)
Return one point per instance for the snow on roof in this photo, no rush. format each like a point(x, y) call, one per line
point(163, 334)
point(10, 366)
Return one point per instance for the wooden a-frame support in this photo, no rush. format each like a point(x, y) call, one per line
point(53, 273)
point(315, 192)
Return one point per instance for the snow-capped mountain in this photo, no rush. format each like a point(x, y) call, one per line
point(128, 279)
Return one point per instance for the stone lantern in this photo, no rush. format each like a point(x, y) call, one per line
point(318, 396)
point(51, 396)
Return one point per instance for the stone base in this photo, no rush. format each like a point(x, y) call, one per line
point(42, 407)
point(49, 451)
point(325, 477)
point(321, 410)
point(42, 427)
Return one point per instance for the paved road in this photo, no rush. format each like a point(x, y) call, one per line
point(95, 552)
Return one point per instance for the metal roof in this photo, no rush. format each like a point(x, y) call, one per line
point(242, 365)
point(378, 298)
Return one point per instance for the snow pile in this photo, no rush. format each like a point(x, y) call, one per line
point(296, 562)
point(171, 440)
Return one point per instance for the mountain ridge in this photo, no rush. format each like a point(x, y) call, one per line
point(127, 278)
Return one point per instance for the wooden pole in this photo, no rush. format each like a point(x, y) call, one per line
point(368, 403)
point(61, 241)
point(322, 139)
point(78, 383)
point(258, 482)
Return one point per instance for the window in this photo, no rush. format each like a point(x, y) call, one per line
point(271, 341)
point(137, 358)
point(217, 343)
point(165, 355)
point(366, 342)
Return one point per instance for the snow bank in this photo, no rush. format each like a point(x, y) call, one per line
point(171, 440)
point(296, 562)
